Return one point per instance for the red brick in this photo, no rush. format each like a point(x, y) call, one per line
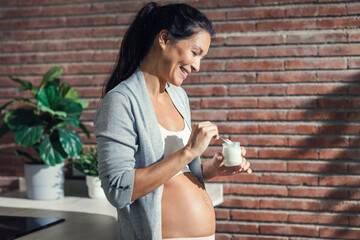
point(354, 63)
point(235, 227)
point(204, 115)
point(339, 154)
point(233, 27)
point(353, 8)
point(339, 50)
point(116, 7)
point(284, 51)
point(319, 218)
point(339, 206)
point(301, 11)
point(222, 214)
point(325, 167)
point(247, 65)
point(317, 115)
point(291, 204)
point(289, 230)
point(206, 90)
point(338, 102)
point(287, 77)
point(339, 128)
point(275, 102)
point(339, 180)
point(268, 165)
point(255, 13)
point(212, 66)
point(239, 202)
point(234, 102)
point(262, 90)
point(343, 233)
point(287, 128)
point(255, 40)
point(231, 52)
point(313, 141)
point(225, 78)
point(317, 192)
point(316, 64)
point(354, 194)
point(277, 25)
point(237, 128)
point(258, 190)
point(265, 2)
point(214, 15)
point(332, 10)
point(263, 216)
point(354, 221)
point(18, 13)
point(354, 168)
point(333, 23)
point(289, 179)
point(338, 76)
point(66, 10)
point(242, 178)
point(354, 37)
point(257, 115)
point(317, 37)
point(288, 153)
point(260, 140)
point(109, 31)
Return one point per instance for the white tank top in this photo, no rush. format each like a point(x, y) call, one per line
point(174, 141)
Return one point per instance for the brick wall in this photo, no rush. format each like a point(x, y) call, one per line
point(282, 77)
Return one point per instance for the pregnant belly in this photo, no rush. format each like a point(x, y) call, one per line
point(187, 210)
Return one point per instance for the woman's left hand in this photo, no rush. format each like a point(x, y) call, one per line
point(221, 170)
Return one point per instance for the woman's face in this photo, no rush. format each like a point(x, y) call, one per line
point(183, 57)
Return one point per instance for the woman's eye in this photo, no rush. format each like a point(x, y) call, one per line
point(194, 53)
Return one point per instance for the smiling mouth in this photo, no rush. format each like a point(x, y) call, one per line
point(184, 72)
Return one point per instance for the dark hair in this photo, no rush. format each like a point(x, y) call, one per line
point(180, 20)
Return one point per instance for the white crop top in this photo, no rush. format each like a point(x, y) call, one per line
point(174, 141)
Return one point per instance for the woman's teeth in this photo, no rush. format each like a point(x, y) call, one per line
point(183, 70)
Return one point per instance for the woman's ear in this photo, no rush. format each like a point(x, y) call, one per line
point(164, 38)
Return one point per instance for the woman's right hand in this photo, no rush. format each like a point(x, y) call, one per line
point(201, 135)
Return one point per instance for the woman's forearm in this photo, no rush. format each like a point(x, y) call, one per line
point(150, 178)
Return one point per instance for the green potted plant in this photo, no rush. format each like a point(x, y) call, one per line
point(46, 125)
point(86, 163)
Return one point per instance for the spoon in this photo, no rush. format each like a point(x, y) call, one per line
point(226, 140)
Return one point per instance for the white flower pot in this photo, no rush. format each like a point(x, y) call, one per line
point(94, 187)
point(44, 182)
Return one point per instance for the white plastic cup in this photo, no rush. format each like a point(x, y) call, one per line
point(232, 154)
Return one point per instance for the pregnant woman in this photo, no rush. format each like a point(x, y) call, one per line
point(149, 162)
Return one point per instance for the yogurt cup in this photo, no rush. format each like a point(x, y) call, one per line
point(232, 154)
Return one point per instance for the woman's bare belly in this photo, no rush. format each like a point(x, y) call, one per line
point(186, 208)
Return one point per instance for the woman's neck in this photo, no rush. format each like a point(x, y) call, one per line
point(154, 84)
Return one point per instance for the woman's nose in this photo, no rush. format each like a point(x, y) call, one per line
point(196, 65)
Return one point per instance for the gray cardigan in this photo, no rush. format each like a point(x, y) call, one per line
point(128, 137)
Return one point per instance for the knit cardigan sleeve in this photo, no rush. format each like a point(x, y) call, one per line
point(116, 138)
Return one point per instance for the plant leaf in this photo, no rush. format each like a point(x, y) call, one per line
point(20, 118)
point(83, 103)
point(64, 89)
point(50, 76)
point(55, 83)
point(48, 99)
point(24, 100)
point(84, 129)
point(70, 141)
point(25, 154)
point(4, 129)
point(29, 135)
point(50, 150)
point(73, 111)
